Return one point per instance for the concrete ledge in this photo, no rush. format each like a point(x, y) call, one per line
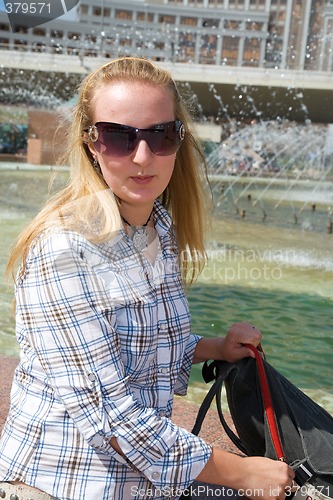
point(182, 72)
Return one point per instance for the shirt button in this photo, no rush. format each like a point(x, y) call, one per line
point(163, 326)
point(162, 413)
point(91, 377)
point(155, 475)
point(164, 371)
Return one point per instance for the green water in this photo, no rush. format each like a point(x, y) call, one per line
point(275, 274)
point(22, 193)
point(281, 280)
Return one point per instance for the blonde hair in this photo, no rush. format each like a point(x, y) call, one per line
point(185, 196)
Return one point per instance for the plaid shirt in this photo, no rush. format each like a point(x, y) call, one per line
point(105, 344)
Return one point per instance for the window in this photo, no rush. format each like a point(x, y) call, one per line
point(254, 26)
point(251, 55)
point(257, 4)
point(195, 2)
point(4, 43)
point(39, 32)
point(186, 49)
point(145, 16)
point(208, 49)
point(167, 19)
point(125, 42)
point(159, 45)
point(210, 23)
point(19, 44)
point(39, 47)
point(231, 25)
point(21, 29)
point(236, 4)
point(123, 14)
point(190, 21)
point(230, 50)
point(97, 11)
point(216, 3)
point(56, 34)
point(73, 36)
point(91, 38)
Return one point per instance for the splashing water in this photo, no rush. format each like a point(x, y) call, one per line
point(266, 166)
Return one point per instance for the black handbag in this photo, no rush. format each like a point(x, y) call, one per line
point(275, 419)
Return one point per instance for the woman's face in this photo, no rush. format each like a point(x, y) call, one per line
point(141, 176)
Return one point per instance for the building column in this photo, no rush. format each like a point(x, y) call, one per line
point(262, 52)
point(240, 57)
point(326, 54)
point(305, 33)
point(218, 57)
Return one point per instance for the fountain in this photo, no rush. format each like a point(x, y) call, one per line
point(270, 165)
point(270, 253)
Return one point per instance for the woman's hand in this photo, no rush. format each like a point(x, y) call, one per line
point(232, 347)
point(268, 479)
point(257, 478)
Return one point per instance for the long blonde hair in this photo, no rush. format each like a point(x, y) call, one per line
point(185, 196)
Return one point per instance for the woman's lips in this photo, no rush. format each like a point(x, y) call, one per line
point(142, 179)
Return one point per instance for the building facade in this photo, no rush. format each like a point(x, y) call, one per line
point(282, 34)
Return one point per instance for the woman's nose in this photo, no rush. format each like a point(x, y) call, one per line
point(142, 153)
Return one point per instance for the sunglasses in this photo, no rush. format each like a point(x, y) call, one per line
point(121, 140)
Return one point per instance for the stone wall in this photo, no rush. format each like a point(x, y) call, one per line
point(46, 136)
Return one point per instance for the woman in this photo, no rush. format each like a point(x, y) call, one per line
point(102, 318)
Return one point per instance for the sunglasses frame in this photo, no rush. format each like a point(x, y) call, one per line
point(139, 135)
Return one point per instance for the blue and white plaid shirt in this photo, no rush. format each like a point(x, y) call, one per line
point(105, 344)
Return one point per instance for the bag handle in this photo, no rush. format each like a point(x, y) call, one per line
point(268, 404)
point(304, 471)
point(220, 373)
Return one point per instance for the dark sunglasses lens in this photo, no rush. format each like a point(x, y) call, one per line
point(119, 140)
point(164, 139)
point(113, 140)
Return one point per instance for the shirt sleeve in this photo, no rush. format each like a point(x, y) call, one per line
point(184, 375)
point(70, 325)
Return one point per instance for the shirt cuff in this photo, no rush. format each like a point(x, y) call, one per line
point(180, 464)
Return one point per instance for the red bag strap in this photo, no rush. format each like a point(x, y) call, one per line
point(268, 404)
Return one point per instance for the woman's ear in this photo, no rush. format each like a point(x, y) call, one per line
point(89, 143)
point(92, 151)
